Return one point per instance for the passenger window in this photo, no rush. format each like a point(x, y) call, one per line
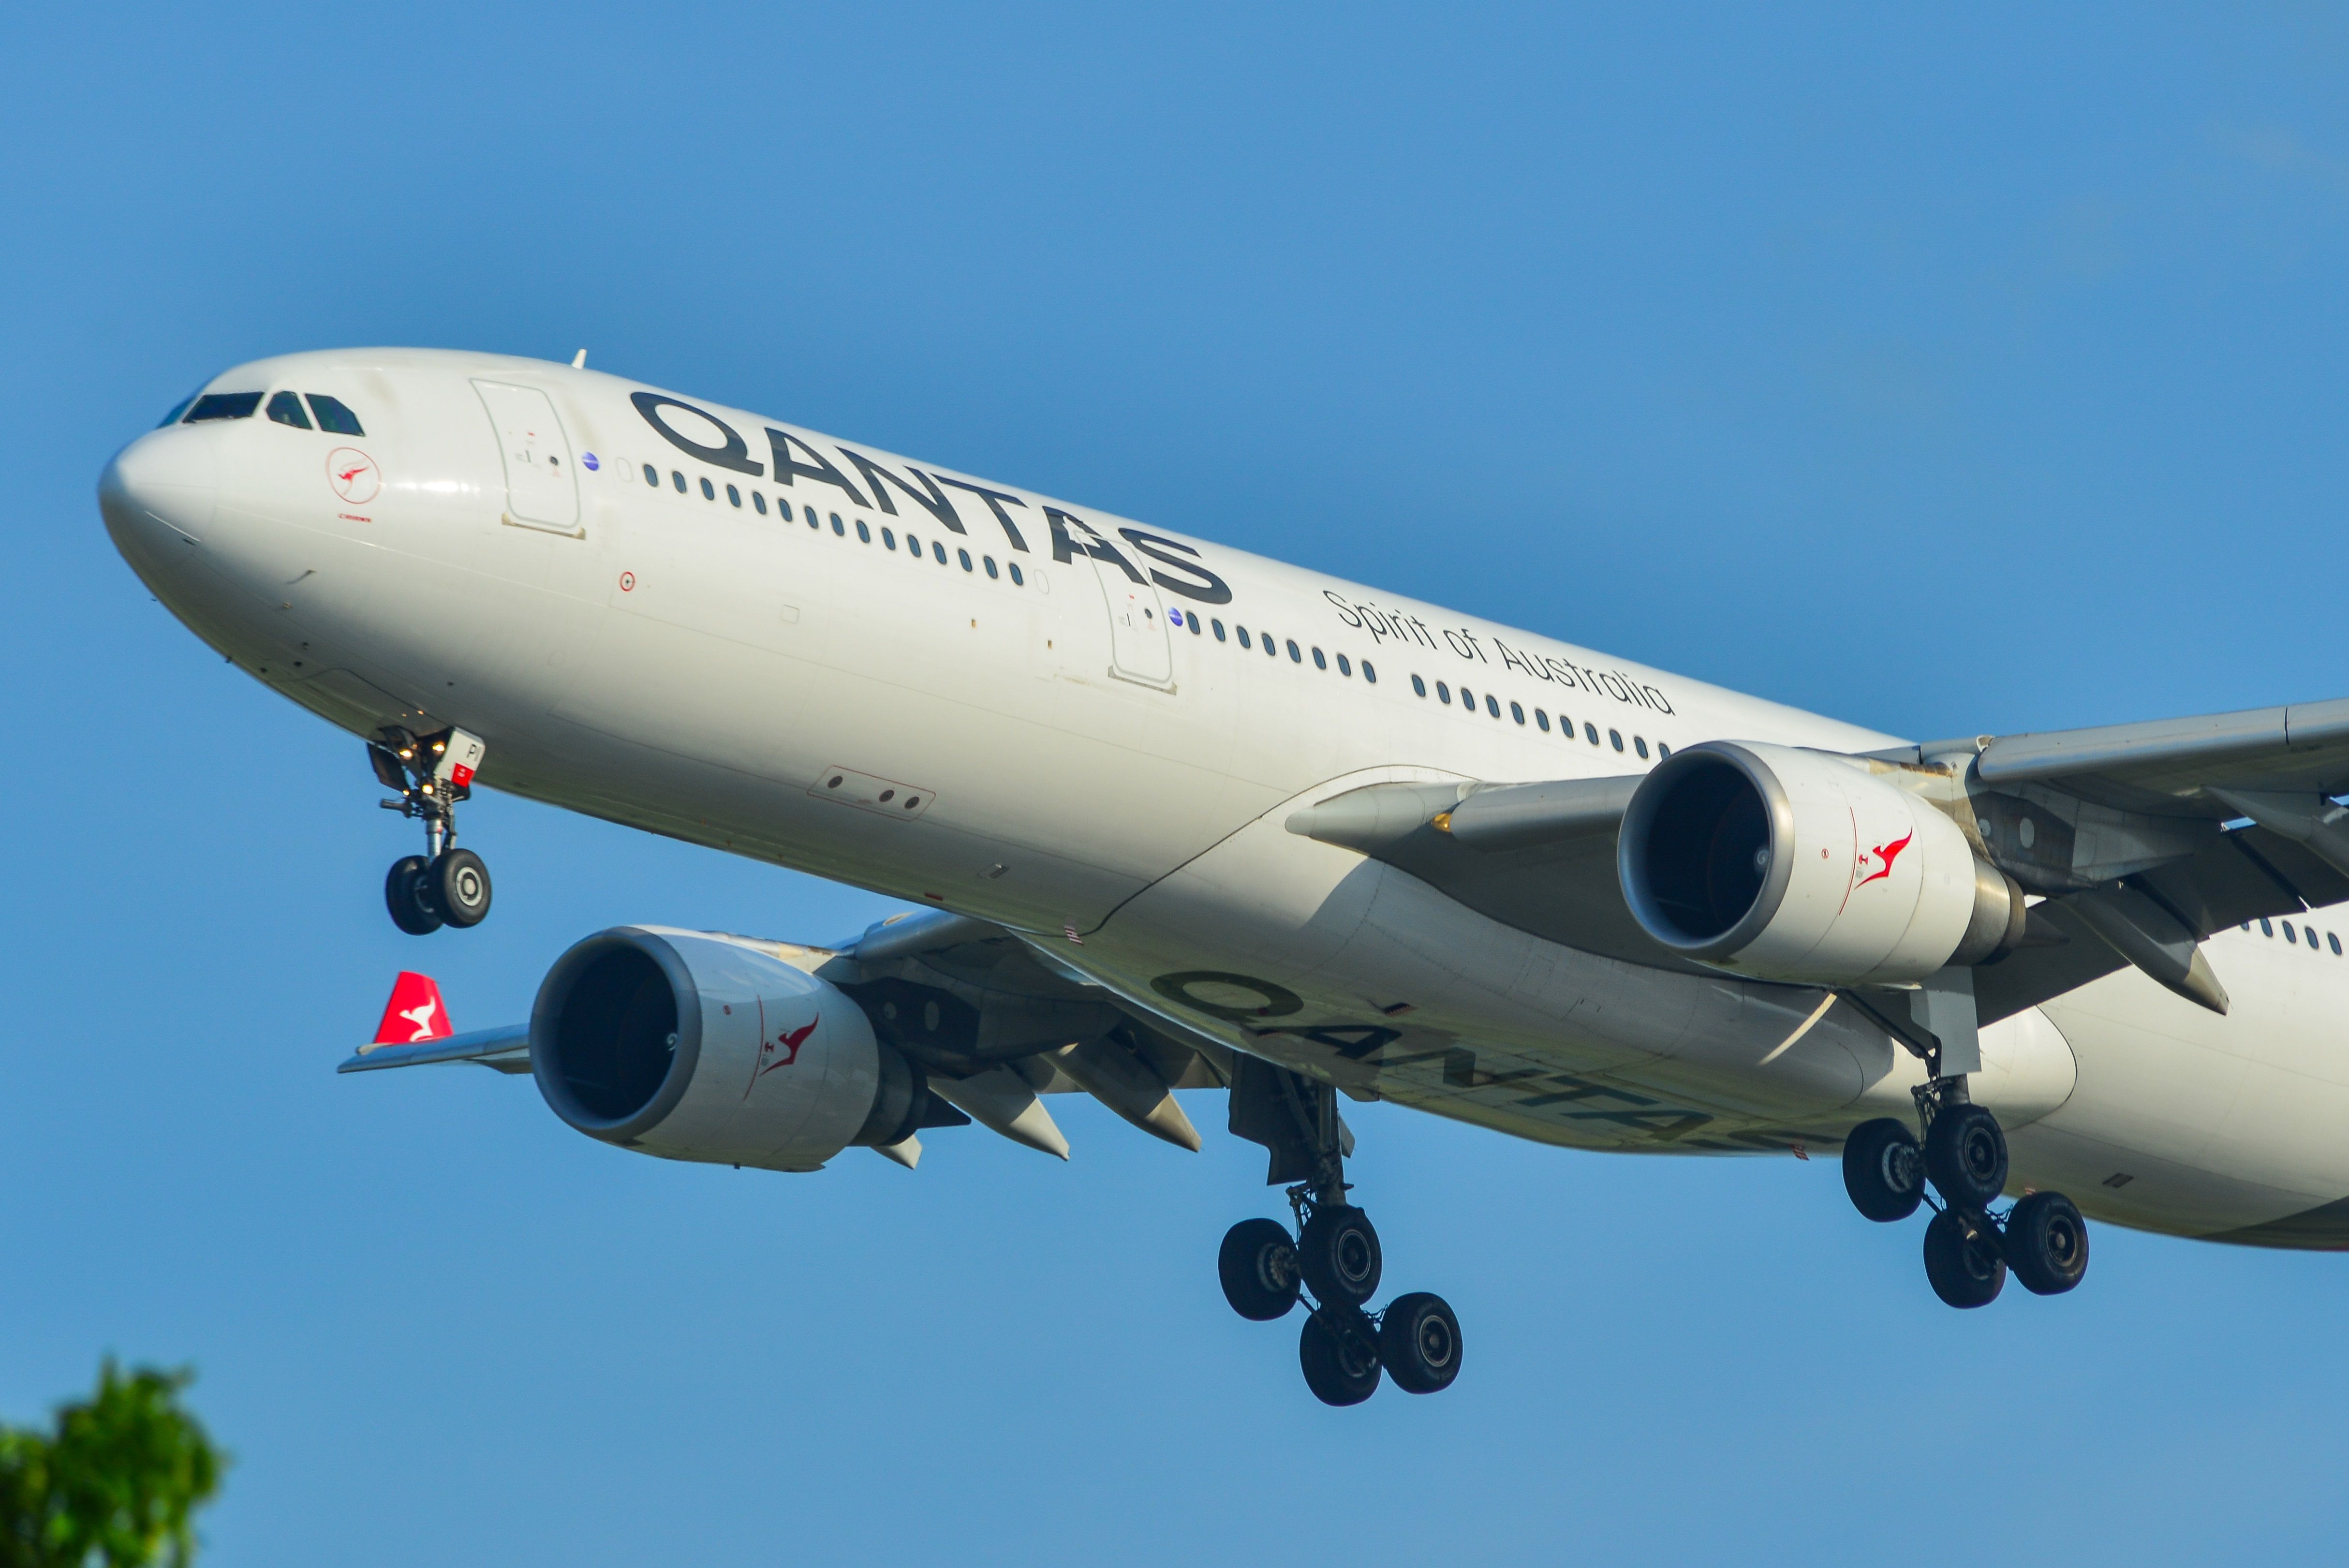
point(863, 533)
point(1269, 650)
point(333, 416)
point(759, 501)
point(1640, 744)
point(652, 476)
point(989, 561)
point(1616, 738)
point(1419, 685)
point(2334, 941)
point(939, 551)
point(1467, 699)
point(913, 547)
point(733, 496)
point(2310, 932)
point(1219, 631)
point(1662, 749)
point(1294, 656)
point(1517, 712)
point(286, 409)
point(1244, 641)
point(1197, 630)
point(1542, 719)
point(1443, 693)
point(676, 479)
point(2266, 930)
point(1369, 672)
point(1492, 705)
point(1017, 580)
point(224, 406)
point(1343, 667)
point(708, 492)
point(888, 538)
point(2289, 934)
point(783, 509)
point(962, 556)
point(1320, 661)
point(1590, 731)
point(839, 529)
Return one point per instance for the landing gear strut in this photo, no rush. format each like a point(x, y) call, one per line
point(445, 885)
point(1334, 1254)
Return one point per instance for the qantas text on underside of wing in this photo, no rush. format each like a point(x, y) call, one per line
point(1176, 818)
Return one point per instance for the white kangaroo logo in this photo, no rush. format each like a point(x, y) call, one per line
point(421, 1016)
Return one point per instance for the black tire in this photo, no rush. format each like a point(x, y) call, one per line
point(1965, 1155)
point(1419, 1343)
point(1258, 1268)
point(1340, 1367)
point(1884, 1169)
point(1964, 1264)
point(1339, 1256)
point(460, 884)
point(2048, 1243)
point(406, 896)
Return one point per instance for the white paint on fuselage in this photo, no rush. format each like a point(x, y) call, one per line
point(691, 666)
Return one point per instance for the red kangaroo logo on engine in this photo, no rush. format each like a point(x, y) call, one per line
point(781, 1049)
point(1886, 854)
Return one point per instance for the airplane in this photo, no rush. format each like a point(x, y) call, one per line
point(1173, 817)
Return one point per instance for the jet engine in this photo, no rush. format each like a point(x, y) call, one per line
point(697, 1045)
point(1781, 864)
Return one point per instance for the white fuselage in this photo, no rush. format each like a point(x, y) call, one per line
point(1102, 752)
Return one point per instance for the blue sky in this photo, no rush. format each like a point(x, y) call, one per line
point(1950, 374)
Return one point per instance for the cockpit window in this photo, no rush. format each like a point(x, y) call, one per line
point(224, 406)
point(177, 410)
point(333, 416)
point(286, 409)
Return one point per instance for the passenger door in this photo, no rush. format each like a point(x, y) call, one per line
point(540, 489)
point(1137, 629)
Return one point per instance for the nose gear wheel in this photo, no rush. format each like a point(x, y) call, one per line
point(445, 885)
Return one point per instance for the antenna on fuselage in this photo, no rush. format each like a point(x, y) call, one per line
point(579, 361)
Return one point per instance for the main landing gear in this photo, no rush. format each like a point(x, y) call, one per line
point(1334, 1254)
point(1969, 1251)
point(445, 885)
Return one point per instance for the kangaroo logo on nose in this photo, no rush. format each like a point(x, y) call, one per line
point(354, 475)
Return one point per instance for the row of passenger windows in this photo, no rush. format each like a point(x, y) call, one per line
point(1517, 712)
point(334, 415)
point(2290, 934)
point(1271, 645)
point(1199, 625)
point(783, 509)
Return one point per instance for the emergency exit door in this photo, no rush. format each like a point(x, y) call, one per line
point(541, 491)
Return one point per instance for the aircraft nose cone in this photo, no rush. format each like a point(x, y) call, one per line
point(160, 490)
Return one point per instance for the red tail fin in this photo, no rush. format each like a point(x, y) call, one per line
point(415, 1012)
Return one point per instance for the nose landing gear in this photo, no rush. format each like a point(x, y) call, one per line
point(445, 885)
point(1334, 1254)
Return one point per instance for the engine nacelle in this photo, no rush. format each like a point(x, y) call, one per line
point(694, 1045)
point(1796, 866)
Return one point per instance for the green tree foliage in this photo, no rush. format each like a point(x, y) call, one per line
point(117, 1482)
